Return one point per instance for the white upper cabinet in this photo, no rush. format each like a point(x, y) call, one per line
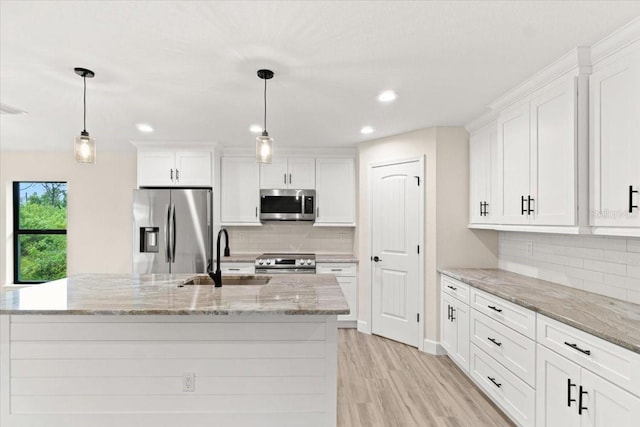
point(335, 192)
point(294, 173)
point(239, 191)
point(614, 92)
point(174, 168)
point(482, 164)
point(537, 157)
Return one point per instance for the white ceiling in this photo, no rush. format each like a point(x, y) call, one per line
point(189, 68)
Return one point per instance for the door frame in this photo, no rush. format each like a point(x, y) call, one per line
point(421, 227)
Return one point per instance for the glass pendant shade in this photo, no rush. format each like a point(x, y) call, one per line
point(85, 148)
point(264, 148)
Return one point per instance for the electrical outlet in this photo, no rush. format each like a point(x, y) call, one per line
point(189, 382)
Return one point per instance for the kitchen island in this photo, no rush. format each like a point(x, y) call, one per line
point(106, 350)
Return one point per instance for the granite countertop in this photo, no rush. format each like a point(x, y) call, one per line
point(251, 257)
point(610, 319)
point(111, 294)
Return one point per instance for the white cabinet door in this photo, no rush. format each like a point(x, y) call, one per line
point(614, 92)
point(335, 192)
point(156, 168)
point(482, 146)
point(274, 174)
point(448, 330)
point(606, 404)
point(461, 321)
point(557, 388)
point(240, 191)
point(193, 168)
point(294, 173)
point(349, 286)
point(302, 173)
point(553, 150)
point(513, 165)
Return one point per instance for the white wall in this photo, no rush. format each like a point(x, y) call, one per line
point(448, 241)
point(605, 265)
point(98, 207)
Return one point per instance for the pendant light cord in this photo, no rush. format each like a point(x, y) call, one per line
point(84, 103)
point(265, 105)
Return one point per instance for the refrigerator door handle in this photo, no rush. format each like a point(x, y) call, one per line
point(173, 233)
point(167, 252)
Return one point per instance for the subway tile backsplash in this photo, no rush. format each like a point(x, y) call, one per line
point(291, 237)
point(605, 265)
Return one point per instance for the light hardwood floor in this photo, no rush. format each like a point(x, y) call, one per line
point(385, 383)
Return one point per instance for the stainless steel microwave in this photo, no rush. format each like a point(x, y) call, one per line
point(287, 205)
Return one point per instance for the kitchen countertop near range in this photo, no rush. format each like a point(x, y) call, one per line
point(610, 319)
point(251, 257)
point(152, 294)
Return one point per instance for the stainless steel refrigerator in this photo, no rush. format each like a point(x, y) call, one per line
point(171, 230)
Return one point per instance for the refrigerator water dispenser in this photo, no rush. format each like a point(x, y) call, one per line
point(149, 239)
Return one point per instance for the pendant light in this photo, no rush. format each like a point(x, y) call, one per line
point(264, 143)
point(84, 145)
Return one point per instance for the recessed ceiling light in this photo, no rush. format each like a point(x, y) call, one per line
point(387, 96)
point(366, 130)
point(144, 127)
point(255, 128)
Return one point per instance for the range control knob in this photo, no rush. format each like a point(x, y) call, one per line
point(308, 262)
point(260, 262)
point(268, 262)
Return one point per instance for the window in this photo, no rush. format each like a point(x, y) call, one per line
point(39, 231)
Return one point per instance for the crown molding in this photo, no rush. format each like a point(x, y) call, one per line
point(485, 119)
point(175, 145)
point(578, 60)
point(619, 39)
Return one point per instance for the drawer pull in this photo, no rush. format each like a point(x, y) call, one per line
point(336, 269)
point(569, 385)
point(453, 288)
point(234, 269)
point(493, 380)
point(452, 311)
point(580, 407)
point(575, 347)
point(493, 307)
point(493, 340)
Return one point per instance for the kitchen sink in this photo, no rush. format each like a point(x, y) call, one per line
point(204, 279)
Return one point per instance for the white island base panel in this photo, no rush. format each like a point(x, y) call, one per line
point(126, 371)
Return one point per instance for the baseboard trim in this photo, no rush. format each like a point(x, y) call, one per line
point(433, 347)
point(364, 327)
point(347, 324)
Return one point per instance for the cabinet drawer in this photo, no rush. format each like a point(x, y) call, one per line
point(455, 288)
point(515, 351)
point(512, 315)
point(610, 361)
point(339, 269)
point(512, 394)
point(234, 268)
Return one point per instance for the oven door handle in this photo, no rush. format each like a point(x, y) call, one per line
point(285, 270)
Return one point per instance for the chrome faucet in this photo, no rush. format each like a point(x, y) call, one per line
point(217, 275)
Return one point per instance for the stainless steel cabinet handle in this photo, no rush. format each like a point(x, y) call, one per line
point(171, 174)
point(289, 178)
point(285, 178)
point(317, 212)
point(336, 269)
point(177, 175)
point(256, 212)
point(234, 269)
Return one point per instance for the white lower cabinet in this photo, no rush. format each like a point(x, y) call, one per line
point(583, 380)
point(512, 394)
point(455, 329)
point(237, 268)
point(347, 277)
point(570, 395)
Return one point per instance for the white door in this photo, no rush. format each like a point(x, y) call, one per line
point(553, 154)
point(335, 192)
point(193, 168)
point(614, 104)
point(396, 211)
point(557, 388)
point(302, 174)
point(606, 404)
point(513, 165)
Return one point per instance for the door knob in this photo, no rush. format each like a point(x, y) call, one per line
point(375, 259)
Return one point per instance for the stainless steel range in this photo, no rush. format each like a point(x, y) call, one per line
point(286, 263)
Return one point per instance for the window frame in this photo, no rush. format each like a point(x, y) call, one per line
point(17, 232)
